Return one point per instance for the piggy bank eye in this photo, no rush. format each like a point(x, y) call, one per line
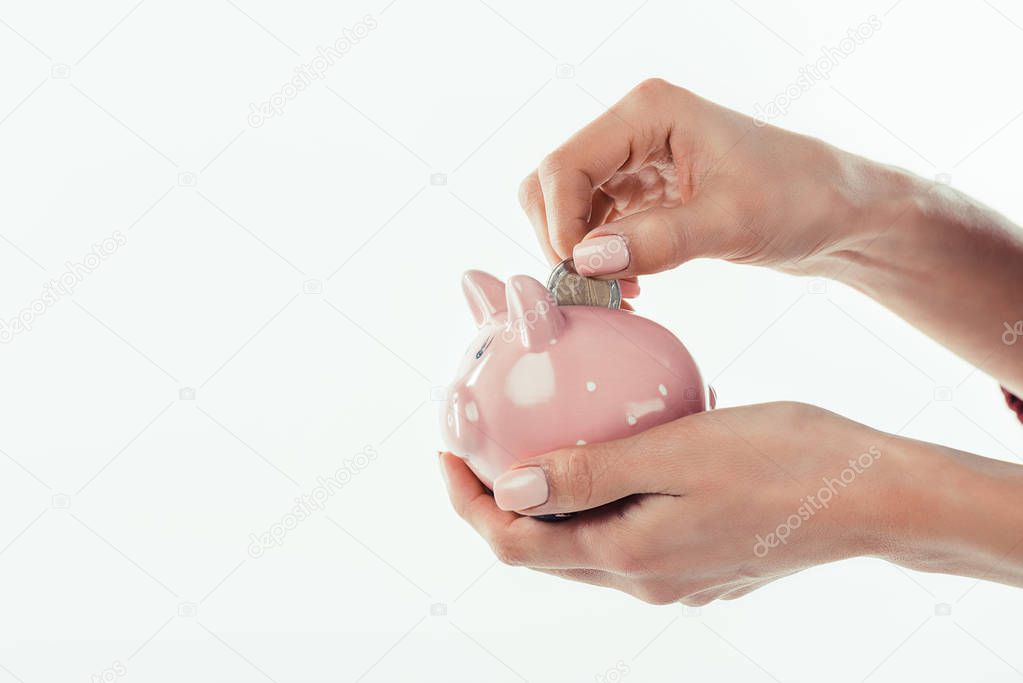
point(479, 354)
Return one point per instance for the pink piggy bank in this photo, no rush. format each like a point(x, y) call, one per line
point(539, 376)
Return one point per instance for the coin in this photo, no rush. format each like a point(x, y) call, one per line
point(569, 288)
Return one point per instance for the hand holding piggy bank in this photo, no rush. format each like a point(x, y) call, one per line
point(539, 377)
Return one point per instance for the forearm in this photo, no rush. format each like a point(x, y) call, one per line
point(954, 512)
point(946, 264)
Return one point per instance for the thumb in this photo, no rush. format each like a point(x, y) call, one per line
point(651, 241)
point(580, 478)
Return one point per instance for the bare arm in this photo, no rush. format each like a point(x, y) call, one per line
point(948, 265)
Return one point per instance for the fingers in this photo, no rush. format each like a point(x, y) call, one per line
point(652, 241)
point(568, 204)
point(532, 202)
point(585, 477)
point(745, 589)
point(619, 139)
point(750, 587)
point(601, 206)
point(594, 577)
point(514, 539)
point(629, 287)
point(570, 174)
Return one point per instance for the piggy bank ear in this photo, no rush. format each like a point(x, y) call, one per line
point(532, 313)
point(485, 295)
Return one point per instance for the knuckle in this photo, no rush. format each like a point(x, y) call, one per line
point(657, 594)
point(553, 164)
point(529, 192)
point(653, 88)
point(574, 473)
point(463, 508)
point(679, 244)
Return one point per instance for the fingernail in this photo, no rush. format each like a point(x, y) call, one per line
point(443, 469)
point(521, 489)
point(601, 255)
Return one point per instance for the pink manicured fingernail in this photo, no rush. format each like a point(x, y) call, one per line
point(520, 489)
point(601, 255)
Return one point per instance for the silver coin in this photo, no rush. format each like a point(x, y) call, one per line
point(569, 288)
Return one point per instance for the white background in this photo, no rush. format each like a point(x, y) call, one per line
point(126, 511)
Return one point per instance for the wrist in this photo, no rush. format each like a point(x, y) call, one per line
point(945, 263)
point(870, 207)
point(952, 512)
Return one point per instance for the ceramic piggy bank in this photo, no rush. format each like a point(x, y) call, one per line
point(539, 376)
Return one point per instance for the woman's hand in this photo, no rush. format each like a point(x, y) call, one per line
point(720, 503)
point(665, 176)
